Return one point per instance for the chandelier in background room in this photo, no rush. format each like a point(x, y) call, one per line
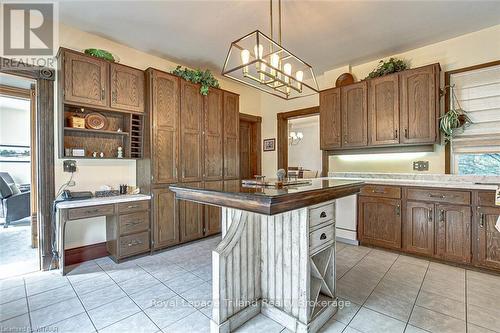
point(261, 62)
point(294, 138)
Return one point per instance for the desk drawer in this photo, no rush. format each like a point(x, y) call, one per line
point(321, 237)
point(133, 206)
point(91, 211)
point(134, 244)
point(486, 199)
point(133, 222)
point(382, 191)
point(445, 196)
point(321, 214)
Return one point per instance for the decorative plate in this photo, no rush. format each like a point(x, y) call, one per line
point(96, 121)
point(344, 80)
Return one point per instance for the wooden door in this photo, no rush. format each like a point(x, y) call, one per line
point(127, 88)
point(190, 218)
point(86, 80)
point(488, 237)
point(453, 233)
point(354, 115)
point(231, 136)
point(329, 119)
point(212, 214)
point(165, 224)
point(213, 112)
point(419, 91)
point(418, 228)
point(380, 221)
point(164, 112)
point(383, 110)
point(191, 132)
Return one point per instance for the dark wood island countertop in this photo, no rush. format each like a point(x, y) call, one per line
point(270, 200)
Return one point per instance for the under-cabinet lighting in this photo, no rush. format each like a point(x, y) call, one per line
point(381, 157)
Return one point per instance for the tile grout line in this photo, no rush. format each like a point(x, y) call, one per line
point(416, 298)
point(27, 304)
point(83, 306)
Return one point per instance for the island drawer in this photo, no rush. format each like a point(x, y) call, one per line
point(320, 238)
point(133, 206)
point(133, 222)
point(91, 211)
point(321, 214)
point(134, 244)
point(486, 198)
point(445, 196)
point(383, 191)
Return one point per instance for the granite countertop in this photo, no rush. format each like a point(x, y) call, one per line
point(425, 180)
point(102, 201)
point(270, 200)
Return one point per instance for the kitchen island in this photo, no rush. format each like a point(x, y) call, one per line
point(277, 254)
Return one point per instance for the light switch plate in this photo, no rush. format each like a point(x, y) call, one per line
point(421, 165)
point(69, 166)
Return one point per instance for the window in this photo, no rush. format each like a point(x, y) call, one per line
point(476, 151)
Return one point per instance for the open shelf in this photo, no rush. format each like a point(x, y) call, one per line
point(89, 130)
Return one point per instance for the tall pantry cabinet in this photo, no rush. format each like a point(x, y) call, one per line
point(190, 139)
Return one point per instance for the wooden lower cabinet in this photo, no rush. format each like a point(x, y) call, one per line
point(380, 221)
point(212, 214)
point(418, 228)
point(165, 222)
point(487, 250)
point(453, 237)
point(190, 218)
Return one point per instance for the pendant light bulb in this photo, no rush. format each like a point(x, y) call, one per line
point(287, 68)
point(245, 56)
point(258, 51)
point(299, 76)
point(275, 60)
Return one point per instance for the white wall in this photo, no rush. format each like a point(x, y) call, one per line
point(466, 50)
point(15, 130)
point(92, 174)
point(306, 153)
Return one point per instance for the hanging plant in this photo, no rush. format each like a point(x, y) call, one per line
point(390, 66)
point(205, 78)
point(455, 120)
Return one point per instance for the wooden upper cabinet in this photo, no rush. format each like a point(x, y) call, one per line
point(165, 226)
point(354, 115)
point(191, 132)
point(329, 114)
point(164, 112)
point(419, 104)
point(212, 124)
point(380, 221)
point(488, 237)
point(86, 80)
point(383, 110)
point(231, 136)
point(418, 228)
point(453, 233)
point(127, 88)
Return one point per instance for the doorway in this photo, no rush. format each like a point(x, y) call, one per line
point(250, 150)
point(19, 250)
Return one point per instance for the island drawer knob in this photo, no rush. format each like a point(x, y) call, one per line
point(323, 236)
point(323, 214)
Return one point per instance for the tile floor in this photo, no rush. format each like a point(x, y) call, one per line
point(16, 254)
point(168, 292)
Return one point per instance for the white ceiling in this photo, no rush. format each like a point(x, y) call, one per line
point(326, 34)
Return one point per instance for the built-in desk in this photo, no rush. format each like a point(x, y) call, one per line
point(127, 223)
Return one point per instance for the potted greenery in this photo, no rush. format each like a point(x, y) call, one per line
point(205, 78)
point(390, 66)
point(455, 120)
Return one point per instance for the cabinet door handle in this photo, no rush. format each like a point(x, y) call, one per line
point(322, 215)
point(132, 206)
point(395, 134)
point(439, 196)
point(429, 214)
point(481, 220)
point(378, 191)
point(441, 215)
point(102, 93)
point(398, 210)
point(323, 236)
point(406, 133)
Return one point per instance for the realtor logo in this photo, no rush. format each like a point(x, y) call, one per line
point(29, 29)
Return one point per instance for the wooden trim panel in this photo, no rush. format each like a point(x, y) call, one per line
point(85, 253)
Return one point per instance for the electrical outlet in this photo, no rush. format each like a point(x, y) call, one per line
point(421, 165)
point(69, 166)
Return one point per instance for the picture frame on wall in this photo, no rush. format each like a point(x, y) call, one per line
point(270, 144)
point(15, 154)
